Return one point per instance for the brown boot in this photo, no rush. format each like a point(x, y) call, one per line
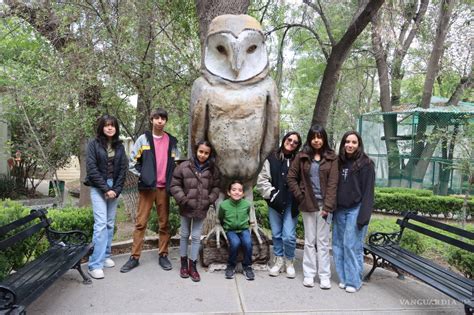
point(184, 272)
point(193, 271)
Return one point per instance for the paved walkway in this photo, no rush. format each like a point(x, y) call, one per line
point(149, 289)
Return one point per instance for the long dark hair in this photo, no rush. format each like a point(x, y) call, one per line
point(211, 158)
point(359, 157)
point(279, 152)
point(103, 121)
point(316, 130)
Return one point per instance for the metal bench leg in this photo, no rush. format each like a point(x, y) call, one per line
point(400, 275)
point(468, 310)
point(86, 280)
point(374, 265)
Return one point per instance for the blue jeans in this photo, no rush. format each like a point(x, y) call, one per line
point(195, 236)
point(347, 246)
point(104, 220)
point(235, 241)
point(283, 227)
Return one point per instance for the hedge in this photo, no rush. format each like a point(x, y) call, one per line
point(398, 200)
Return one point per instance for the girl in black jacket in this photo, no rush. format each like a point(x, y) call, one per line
point(282, 208)
point(106, 168)
point(355, 199)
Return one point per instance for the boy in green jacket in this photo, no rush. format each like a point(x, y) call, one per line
point(234, 217)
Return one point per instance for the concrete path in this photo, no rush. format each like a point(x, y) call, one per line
point(149, 289)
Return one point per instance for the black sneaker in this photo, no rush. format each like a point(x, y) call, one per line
point(165, 263)
point(130, 264)
point(248, 273)
point(229, 272)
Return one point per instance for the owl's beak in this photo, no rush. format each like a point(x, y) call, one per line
point(237, 61)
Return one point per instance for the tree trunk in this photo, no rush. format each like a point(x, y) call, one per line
point(336, 59)
point(207, 10)
point(84, 196)
point(146, 39)
point(389, 120)
point(445, 170)
point(402, 46)
point(465, 83)
point(446, 9)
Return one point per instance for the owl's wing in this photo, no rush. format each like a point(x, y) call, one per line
point(198, 105)
point(273, 121)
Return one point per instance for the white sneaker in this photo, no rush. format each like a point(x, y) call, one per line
point(290, 269)
point(342, 285)
point(351, 290)
point(109, 263)
point(308, 282)
point(96, 273)
point(277, 266)
point(325, 284)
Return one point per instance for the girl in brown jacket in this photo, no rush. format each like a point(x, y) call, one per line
point(194, 186)
point(312, 179)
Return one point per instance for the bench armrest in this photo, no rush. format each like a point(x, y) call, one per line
point(74, 237)
point(380, 238)
point(7, 297)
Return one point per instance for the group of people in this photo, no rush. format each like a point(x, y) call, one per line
point(323, 186)
point(326, 188)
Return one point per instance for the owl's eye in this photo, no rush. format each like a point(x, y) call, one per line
point(251, 49)
point(221, 49)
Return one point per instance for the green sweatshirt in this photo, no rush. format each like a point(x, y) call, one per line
point(234, 215)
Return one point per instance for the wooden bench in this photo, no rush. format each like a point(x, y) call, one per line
point(66, 249)
point(385, 249)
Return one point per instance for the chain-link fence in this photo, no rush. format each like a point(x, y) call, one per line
point(427, 147)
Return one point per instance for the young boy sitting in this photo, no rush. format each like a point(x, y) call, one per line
point(234, 217)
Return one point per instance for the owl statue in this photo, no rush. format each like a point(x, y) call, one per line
point(234, 104)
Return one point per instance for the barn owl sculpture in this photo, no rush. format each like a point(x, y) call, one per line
point(234, 104)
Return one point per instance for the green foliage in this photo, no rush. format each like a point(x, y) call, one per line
point(398, 200)
point(462, 260)
point(71, 218)
point(396, 190)
point(18, 255)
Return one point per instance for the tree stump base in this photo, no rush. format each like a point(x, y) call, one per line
point(210, 254)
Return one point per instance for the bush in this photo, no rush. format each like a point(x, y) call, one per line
point(402, 190)
point(17, 256)
point(462, 260)
point(398, 200)
point(70, 218)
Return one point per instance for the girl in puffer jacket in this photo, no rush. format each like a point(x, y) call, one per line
point(195, 187)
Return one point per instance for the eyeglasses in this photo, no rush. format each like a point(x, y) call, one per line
point(292, 141)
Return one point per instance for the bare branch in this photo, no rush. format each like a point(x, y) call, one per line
point(319, 9)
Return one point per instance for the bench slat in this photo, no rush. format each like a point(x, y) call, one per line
point(441, 226)
point(15, 224)
point(9, 242)
point(438, 236)
point(427, 267)
point(35, 277)
point(422, 272)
